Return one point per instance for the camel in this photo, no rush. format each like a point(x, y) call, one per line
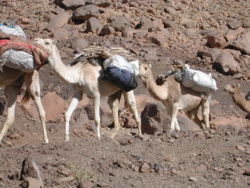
point(12, 80)
point(238, 96)
point(86, 79)
point(176, 97)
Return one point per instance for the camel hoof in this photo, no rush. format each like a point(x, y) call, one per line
point(66, 139)
point(46, 141)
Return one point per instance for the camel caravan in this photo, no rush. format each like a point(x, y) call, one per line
point(99, 71)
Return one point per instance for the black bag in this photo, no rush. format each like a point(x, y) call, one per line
point(121, 78)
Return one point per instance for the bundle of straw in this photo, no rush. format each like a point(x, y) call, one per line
point(103, 52)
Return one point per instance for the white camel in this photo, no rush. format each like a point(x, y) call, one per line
point(12, 80)
point(86, 79)
point(176, 97)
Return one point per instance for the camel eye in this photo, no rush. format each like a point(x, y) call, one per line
point(46, 42)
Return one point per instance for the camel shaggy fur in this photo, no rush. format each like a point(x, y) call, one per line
point(176, 97)
point(12, 80)
point(86, 79)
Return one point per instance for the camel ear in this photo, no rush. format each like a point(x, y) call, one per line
point(150, 66)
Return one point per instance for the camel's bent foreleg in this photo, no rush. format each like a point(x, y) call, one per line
point(74, 102)
point(130, 98)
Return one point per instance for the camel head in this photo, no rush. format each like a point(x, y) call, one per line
point(232, 88)
point(46, 43)
point(145, 71)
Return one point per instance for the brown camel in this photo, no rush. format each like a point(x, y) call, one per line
point(12, 80)
point(238, 96)
point(176, 97)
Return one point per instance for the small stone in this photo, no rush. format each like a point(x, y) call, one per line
point(247, 172)
point(193, 179)
point(241, 148)
point(66, 179)
point(145, 168)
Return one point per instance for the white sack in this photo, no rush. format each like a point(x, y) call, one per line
point(18, 60)
point(119, 61)
point(13, 30)
point(198, 80)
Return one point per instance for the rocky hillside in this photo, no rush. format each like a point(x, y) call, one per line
point(210, 35)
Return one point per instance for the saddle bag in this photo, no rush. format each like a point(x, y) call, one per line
point(198, 80)
point(121, 72)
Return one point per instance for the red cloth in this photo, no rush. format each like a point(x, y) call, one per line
point(14, 43)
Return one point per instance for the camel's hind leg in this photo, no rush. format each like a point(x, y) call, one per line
point(97, 100)
point(113, 102)
point(205, 112)
point(74, 102)
point(11, 93)
point(193, 115)
point(130, 98)
point(33, 86)
point(174, 113)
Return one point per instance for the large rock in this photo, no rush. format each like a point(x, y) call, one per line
point(54, 107)
point(150, 118)
point(59, 20)
point(119, 22)
point(232, 35)
point(61, 33)
point(226, 63)
point(72, 3)
point(82, 14)
point(30, 169)
point(243, 43)
point(107, 30)
point(94, 25)
point(79, 43)
point(216, 41)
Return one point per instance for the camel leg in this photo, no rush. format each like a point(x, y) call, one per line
point(205, 113)
point(177, 127)
point(11, 93)
point(97, 100)
point(113, 102)
point(130, 98)
point(74, 102)
point(174, 112)
point(33, 86)
point(193, 115)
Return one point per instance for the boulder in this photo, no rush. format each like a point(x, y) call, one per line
point(82, 14)
point(72, 4)
point(107, 30)
point(54, 107)
point(150, 118)
point(216, 41)
point(93, 25)
point(119, 22)
point(79, 43)
point(226, 64)
point(232, 35)
point(58, 21)
point(61, 33)
point(242, 43)
point(30, 169)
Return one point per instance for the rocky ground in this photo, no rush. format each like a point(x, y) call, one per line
point(213, 36)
